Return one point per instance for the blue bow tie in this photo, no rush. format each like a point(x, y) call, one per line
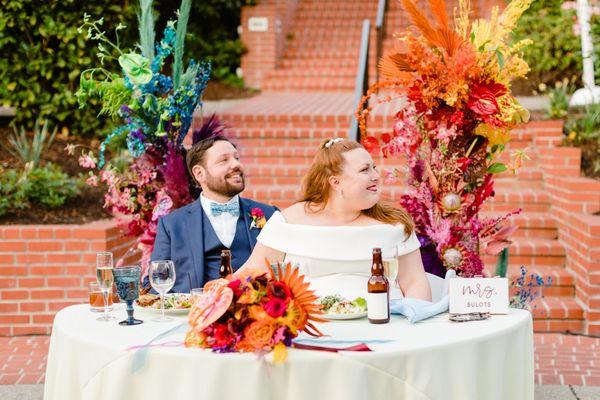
point(218, 209)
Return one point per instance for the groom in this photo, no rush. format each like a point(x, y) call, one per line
point(193, 236)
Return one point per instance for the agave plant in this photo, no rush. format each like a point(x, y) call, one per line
point(28, 151)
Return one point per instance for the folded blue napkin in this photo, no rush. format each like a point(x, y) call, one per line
point(416, 310)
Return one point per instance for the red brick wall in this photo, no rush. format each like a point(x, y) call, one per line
point(264, 49)
point(575, 200)
point(44, 268)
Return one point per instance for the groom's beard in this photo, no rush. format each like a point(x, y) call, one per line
point(225, 185)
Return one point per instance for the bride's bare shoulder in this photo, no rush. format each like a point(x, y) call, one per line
point(296, 213)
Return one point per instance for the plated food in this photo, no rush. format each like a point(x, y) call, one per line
point(175, 303)
point(338, 307)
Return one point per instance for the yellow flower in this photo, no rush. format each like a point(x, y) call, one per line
point(494, 135)
point(572, 135)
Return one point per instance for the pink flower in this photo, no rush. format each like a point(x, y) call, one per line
point(86, 161)
point(275, 307)
point(92, 180)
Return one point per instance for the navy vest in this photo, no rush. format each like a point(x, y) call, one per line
point(240, 248)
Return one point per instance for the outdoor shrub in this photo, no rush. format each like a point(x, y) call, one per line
point(43, 55)
point(45, 186)
point(556, 50)
point(29, 152)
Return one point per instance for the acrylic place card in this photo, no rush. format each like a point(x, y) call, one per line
point(468, 295)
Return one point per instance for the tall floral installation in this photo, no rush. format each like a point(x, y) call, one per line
point(147, 178)
point(457, 111)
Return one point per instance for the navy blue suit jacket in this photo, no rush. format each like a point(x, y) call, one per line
point(179, 238)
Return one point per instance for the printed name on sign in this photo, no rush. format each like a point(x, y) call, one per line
point(468, 295)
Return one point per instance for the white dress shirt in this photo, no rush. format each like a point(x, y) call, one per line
point(224, 224)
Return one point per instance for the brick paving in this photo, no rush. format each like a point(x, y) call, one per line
point(559, 359)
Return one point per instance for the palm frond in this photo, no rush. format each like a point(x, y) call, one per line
point(146, 29)
point(419, 20)
point(393, 65)
point(182, 21)
point(438, 8)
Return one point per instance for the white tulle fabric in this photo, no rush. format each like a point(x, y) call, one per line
point(336, 259)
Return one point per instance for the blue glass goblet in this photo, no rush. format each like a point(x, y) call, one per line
point(127, 281)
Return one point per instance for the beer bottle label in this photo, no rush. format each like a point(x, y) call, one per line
point(377, 305)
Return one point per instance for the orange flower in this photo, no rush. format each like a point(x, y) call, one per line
point(259, 334)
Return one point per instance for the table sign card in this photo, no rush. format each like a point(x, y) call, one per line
point(469, 295)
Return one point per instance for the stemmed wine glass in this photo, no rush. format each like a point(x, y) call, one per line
point(127, 280)
point(162, 279)
point(104, 274)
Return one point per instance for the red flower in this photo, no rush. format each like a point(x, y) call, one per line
point(257, 212)
point(371, 144)
point(275, 307)
point(237, 288)
point(222, 335)
point(483, 97)
point(280, 290)
point(463, 163)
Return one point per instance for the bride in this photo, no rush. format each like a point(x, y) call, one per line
point(331, 232)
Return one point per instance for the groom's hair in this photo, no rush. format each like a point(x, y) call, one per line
point(196, 154)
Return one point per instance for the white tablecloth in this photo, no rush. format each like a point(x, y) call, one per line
point(434, 359)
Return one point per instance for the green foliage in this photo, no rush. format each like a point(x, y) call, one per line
point(43, 54)
point(559, 96)
point(556, 50)
point(584, 132)
point(29, 152)
point(45, 186)
point(211, 34)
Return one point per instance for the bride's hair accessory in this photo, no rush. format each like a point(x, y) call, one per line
point(331, 142)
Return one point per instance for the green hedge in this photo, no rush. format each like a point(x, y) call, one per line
point(43, 54)
point(556, 51)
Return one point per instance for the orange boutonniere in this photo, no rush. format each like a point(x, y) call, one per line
point(258, 218)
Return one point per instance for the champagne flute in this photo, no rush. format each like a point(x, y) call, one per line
point(390, 268)
point(162, 279)
point(104, 274)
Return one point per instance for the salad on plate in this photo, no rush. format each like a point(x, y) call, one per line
point(338, 307)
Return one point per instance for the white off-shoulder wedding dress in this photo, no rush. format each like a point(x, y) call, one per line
point(337, 259)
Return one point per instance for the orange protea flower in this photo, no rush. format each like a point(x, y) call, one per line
point(302, 297)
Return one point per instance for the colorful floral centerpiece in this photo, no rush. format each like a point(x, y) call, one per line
point(254, 312)
point(147, 178)
point(453, 126)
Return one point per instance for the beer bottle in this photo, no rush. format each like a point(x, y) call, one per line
point(378, 292)
point(225, 268)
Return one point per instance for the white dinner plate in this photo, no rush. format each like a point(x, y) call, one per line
point(168, 311)
point(334, 317)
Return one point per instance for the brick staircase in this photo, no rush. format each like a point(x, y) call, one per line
point(321, 51)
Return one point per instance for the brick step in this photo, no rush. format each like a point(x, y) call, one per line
point(308, 63)
point(348, 53)
point(316, 71)
point(531, 224)
point(557, 314)
point(310, 84)
point(533, 251)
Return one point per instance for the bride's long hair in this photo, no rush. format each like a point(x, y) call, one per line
point(329, 161)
